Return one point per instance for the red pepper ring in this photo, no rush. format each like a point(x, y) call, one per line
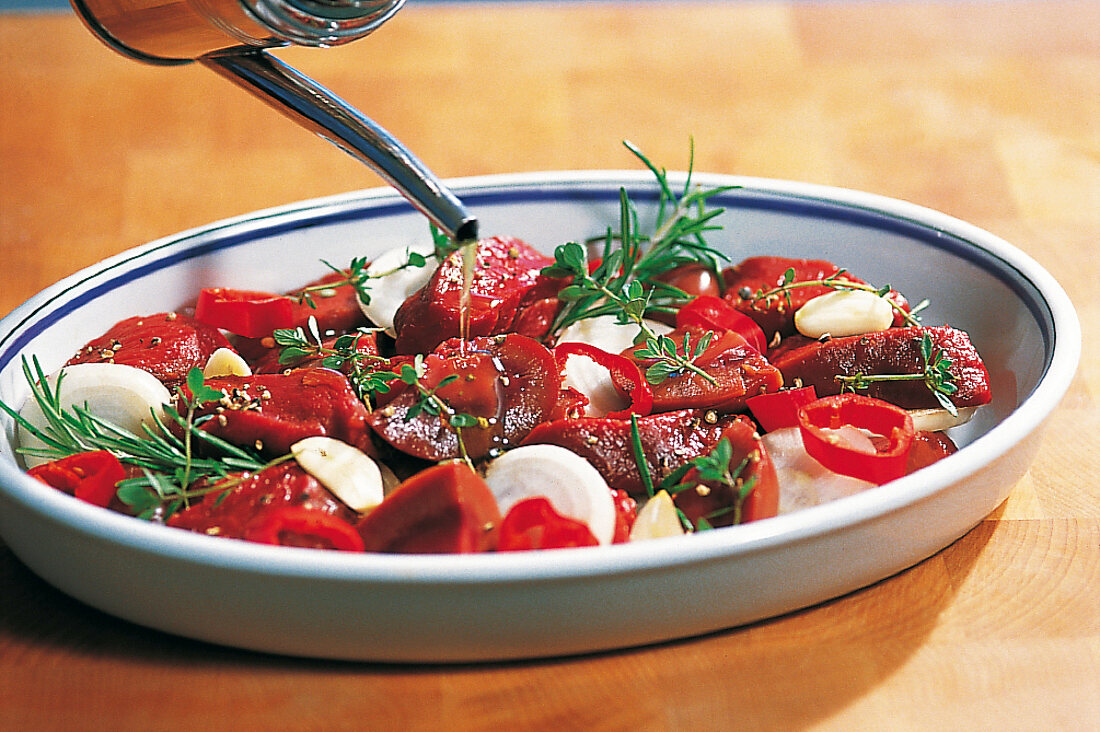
point(627, 377)
point(534, 524)
point(875, 415)
point(714, 313)
point(90, 476)
point(311, 525)
point(244, 312)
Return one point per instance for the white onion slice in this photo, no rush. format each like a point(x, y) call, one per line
point(574, 488)
point(803, 481)
point(123, 395)
point(588, 377)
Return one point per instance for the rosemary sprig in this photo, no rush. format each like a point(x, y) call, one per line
point(629, 302)
point(639, 456)
point(628, 257)
point(936, 375)
point(835, 281)
point(168, 461)
point(363, 369)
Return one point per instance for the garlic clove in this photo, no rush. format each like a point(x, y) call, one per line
point(123, 395)
point(657, 519)
point(225, 362)
point(352, 475)
point(392, 284)
point(574, 488)
point(844, 313)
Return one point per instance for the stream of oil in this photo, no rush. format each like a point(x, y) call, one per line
point(469, 261)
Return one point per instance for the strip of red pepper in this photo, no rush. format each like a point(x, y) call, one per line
point(628, 379)
point(309, 524)
point(244, 312)
point(534, 524)
point(778, 409)
point(714, 313)
point(90, 476)
point(856, 410)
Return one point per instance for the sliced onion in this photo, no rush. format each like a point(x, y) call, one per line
point(804, 482)
point(122, 395)
point(588, 377)
point(574, 488)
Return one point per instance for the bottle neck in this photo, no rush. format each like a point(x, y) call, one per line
point(320, 22)
point(179, 31)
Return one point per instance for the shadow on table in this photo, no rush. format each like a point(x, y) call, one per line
point(785, 672)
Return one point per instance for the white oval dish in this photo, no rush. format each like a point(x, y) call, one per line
point(520, 605)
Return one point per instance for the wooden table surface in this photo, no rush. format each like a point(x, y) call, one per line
point(987, 111)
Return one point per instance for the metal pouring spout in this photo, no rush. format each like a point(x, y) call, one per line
point(230, 37)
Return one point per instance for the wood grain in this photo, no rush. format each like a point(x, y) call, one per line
point(987, 111)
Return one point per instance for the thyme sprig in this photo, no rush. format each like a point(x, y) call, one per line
point(630, 258)
point(935, 373)
point(431, 403)
point(835, 281)
point(713, 467)
point(363, 370)
point(168, 462)
point(357, 275)
point(444, 246)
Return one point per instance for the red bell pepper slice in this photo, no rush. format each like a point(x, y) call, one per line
point(856, 410)
point(90, 476)
point(310, 526)
point(714, 313)
point(444, 509)
point(779, 409)
point(534, 524)
point(626, 513)
point(627, 377)
point(244, 312)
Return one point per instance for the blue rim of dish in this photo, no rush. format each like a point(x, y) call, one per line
point(226, 235)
